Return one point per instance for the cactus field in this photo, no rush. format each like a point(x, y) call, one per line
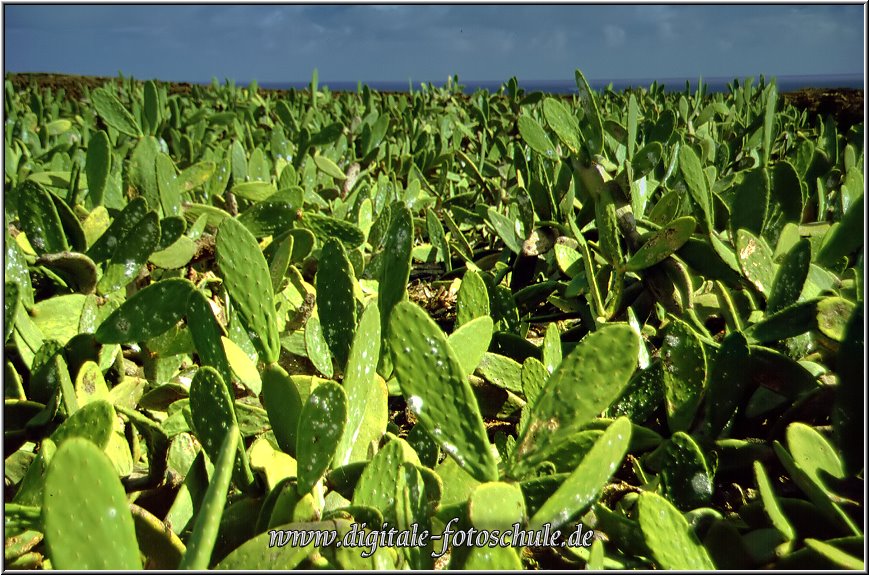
point(234, 314)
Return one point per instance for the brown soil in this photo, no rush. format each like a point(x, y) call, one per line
point(845, 104)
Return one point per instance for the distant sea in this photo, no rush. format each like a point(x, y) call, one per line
point(718, 84)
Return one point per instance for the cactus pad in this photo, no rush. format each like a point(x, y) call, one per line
point(85, 511)
point(246, 277)
point(437, 390)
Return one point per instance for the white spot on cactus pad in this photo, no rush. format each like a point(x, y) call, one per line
point(415, 403)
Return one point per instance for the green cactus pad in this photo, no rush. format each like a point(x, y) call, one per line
point(72, 227)
point(284, 406)
point(470, 342)
point(395, 270)
point(662, 244)
point(113, 113)
point(563, 123)
point(271, 217)
point(837, 557)
point(534, 378)
point(212, 414)
point(771, 503)
point(362, 390)
point(336, 303)
point(592, 126)
point(813, 454)
point(669, 535)
point(817, 493)
point(848, 409)
point(206, 334)
point(10, 308)
point(94, 422)
point(796, 319)
point(791, 277)
point(160, 545)
point(103, 248)
point(170, 196)
point(149, 313)
point(582, 487)
point(685, 476)
point(412, 512)
point(552, 354)
point(436, 389)
point(586, 382)
point(246, 277)
point(473, 298)
point(376, 485)
point(727, 382)
point(646, 159)
point(256, 553)
point(845, 238)
point(316, 347)
point(497, 505)
point(326, 227)
point(535, 136)
point(131, 254)
point(684, 363)
point(438, 239)
point(201, 541)
point(489, 559)
point(692, 172)
point(506, 229)
point(98, 165)
point(751, 201)
point(254, 191)
point(40, 220)
point(172, 228)
point(755, 261)
point(142, 173)
point(321, 424)
point(85, 511)
point(501, 371)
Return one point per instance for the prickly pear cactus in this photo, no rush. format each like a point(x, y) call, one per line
point(396, 263)
point(669, 535)
point(98, 166)
point(205, 530)
point(497, 505)
point(336, 303)
point(470, 342)
point(284, 406)
point(582, 487)
point(40, 219)
point(212, 412)
point(85, 511)
point(361, 389)
point(321, 424)
point(473, 298)
point(206, 332)
point(246, 276)
point(585, 383)
point(131, 254)
point(149, 313)
point(684, 363)
point(662, 244)
point(121, 226)
point(437, 390)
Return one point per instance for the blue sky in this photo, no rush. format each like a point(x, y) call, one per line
point(373, 43)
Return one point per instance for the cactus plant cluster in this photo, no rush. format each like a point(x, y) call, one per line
point(234, 314)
